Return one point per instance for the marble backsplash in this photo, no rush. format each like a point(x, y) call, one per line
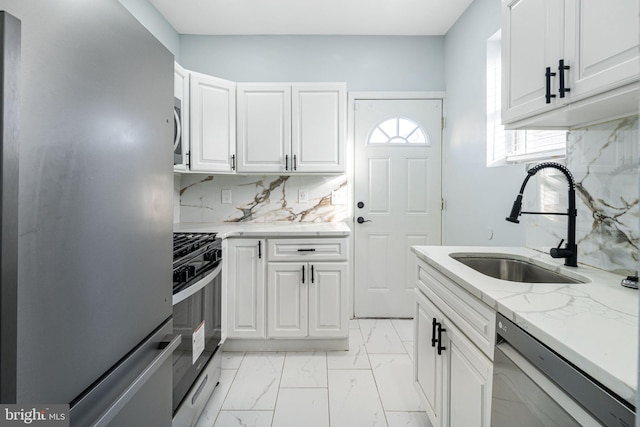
point(604, 160)
point(257, 198)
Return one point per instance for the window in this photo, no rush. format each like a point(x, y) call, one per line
point(513, 146)
point(398, 130)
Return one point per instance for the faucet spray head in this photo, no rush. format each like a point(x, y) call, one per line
point(515, 210)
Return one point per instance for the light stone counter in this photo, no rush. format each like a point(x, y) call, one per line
point(594, 325)
point(269, 229)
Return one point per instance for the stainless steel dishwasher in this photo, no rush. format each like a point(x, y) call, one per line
point(534, 386)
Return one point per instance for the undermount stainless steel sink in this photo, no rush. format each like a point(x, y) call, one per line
point(512, 269)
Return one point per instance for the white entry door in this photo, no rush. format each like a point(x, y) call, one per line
point(398, 199)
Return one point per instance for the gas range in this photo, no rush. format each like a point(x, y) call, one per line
point(194, 255)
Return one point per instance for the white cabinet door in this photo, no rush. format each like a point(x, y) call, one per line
point(213, 124)
point(469, 379)
point(532, 40)
point(602, 40)
point(428, 366)
point(455, 385)
point(318, 127)
point(591, 46)
point(264, 127)
point(287, 298)
point(245, 288)
point(181, 92)
point(328, 316)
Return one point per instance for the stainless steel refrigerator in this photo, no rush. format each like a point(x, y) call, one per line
point(86, 212)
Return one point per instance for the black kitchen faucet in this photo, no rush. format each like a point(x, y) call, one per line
point(570, 251)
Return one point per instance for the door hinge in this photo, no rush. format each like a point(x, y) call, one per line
point(443, 122)
point(442, 204)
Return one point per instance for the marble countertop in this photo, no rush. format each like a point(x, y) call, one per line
point(594, 325)
point(269, 229)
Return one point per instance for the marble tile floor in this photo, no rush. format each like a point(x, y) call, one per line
point(369, 385)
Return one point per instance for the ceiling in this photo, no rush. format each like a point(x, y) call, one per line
point(319, 17)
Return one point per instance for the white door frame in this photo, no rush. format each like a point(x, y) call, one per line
point(352, 98)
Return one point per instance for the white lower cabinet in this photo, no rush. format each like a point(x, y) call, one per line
point(428, 366)
point(286, 288)
point(469, 377)
point(306, 299)
point(452, 374)
point(287, 300)
point(245, 268)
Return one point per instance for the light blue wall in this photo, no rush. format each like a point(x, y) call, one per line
point(477, 198)
point(155, 23)
point(365, 63)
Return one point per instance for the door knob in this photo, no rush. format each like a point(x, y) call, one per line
point(361, 220)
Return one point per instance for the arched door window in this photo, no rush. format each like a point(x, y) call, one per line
point(398, 130)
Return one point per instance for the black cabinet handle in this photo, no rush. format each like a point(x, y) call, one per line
point(259, 249)
point(303, 274)
point(312, 278)
point(561, 70)
point(434, 325)
point(548, 75)
point(295, 162)
point(233, 162)
point(286, 162)
point(440, 331)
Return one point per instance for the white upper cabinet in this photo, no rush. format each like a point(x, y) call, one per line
point(264, 127)
point(318, 124)
point(602, 45)
point(213, 119)
point(567, 63)
point(181, 110)
point(289, 128)
point(532, 32)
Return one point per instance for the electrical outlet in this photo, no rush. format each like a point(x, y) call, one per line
point(303, 196)
point(226, 195)
point(339, 197)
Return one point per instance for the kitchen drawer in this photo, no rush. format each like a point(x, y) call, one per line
point(314, 249)
point(473, 317)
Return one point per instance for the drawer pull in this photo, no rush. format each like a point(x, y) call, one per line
point(548, 75)
point(440, 331)
point(434, 326)
point(307, 250)
point(561, 70)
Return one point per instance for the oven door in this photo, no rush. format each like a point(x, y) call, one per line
point(521, 392)
point(197, 317)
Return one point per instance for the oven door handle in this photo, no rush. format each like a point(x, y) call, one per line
point(124, 398)
point(191, 290)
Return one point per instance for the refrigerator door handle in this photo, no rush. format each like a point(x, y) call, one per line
point(113, 410)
